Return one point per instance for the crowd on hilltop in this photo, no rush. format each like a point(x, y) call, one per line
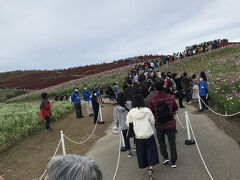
point(148, 98)
point(189, 51)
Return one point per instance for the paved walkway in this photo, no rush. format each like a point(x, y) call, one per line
point(221, 154)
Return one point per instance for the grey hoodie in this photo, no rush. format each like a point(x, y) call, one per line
point(120, 114)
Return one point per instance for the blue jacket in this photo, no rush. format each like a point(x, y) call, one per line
point(86, 95)
point(203, 88)
point(75, 98)
point(98, 91)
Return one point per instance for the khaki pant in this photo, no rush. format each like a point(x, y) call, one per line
point(89, 107)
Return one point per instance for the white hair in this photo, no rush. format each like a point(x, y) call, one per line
point(73, 167)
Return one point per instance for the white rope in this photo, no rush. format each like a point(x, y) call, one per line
point(75, 142)
point(200, 154)
point(119, 155)
point(224, 115)
point(52, 156)
point(179, 121)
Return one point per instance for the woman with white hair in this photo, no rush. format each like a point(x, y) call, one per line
point(72, 167)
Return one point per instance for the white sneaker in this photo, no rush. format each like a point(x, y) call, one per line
point(165, 161)
point(129, 154)
point(174, 165)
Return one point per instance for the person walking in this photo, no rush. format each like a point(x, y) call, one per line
point(87, 100)
point(203, 92)
point(180, 90)
point(45, 110)
point(131, 90)
point(119, 115)
point(163, 106)
point(95, 105)
point(143, 119)
point(115, 90)
point(75, 98)
point(195, 87)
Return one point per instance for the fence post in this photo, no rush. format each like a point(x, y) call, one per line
point(100, 114)
point(63, 144)
point(189, 141)
point(200, 103)
point(123, 142)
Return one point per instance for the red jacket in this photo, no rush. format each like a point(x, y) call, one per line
point(45, 111)
point(172, 105)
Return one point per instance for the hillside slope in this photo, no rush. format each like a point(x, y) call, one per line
point(43, 79)
point(223, 72)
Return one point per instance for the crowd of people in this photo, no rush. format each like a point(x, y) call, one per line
point(148, 99)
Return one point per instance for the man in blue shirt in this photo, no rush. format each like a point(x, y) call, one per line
point(87, 100)
point(203, 92)
point(75, 98)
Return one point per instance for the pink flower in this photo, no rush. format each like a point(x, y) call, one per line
point(226, 97)
point(233, 92)
point(232, 81)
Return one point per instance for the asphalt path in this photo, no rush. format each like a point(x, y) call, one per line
point(220, 152)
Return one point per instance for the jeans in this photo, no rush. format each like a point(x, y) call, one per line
point(47, 121)
point(204, 98)
point(171, 139)
point(89, 107)
point(78, 110)
point(126, 140)
point(188, 95)
point(95, 106)
point(180, 98)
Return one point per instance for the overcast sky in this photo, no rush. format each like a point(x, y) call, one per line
point(53, 34)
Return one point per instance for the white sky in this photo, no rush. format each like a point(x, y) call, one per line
point(53, 34)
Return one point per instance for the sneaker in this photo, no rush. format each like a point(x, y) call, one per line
point(134, 149)
point(190, 102)
point(200, 110)
point(174, 165)
point(165, 161)
point(129, 154)
point(206, 110)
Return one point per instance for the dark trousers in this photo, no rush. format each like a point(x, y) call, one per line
point(78, 110)
point(95, 110)
point(47, 121)
point(126, 140)
point(147, 153)
point(188, 95)
point(204, 98)
point(171, 139)
point(180, 98)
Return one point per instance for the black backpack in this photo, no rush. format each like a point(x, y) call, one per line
point(163, 113)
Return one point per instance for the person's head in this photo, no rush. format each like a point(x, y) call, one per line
point(44, 95)
point(159, 85)
point(129, 82)
point(114, 83)
point(138, 101)
point(184, 74)
point(95, 85)
point(194, 76)
point(201, 78)
point(85, 87)
point(76, 89)
point(72, 167)
point(121, 99)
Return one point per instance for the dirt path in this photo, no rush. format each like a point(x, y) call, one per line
point(29, 158)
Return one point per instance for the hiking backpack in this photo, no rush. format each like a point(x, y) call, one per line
point(163, 112)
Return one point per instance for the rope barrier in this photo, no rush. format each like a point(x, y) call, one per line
point(52, 156)
point(119, 155)
point(179, 120)
point(200, 154)
point(75, 142)
point(224, 115)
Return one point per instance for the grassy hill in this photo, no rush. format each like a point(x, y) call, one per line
point(223, 71)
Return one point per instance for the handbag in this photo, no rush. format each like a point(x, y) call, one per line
point(130, 131)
